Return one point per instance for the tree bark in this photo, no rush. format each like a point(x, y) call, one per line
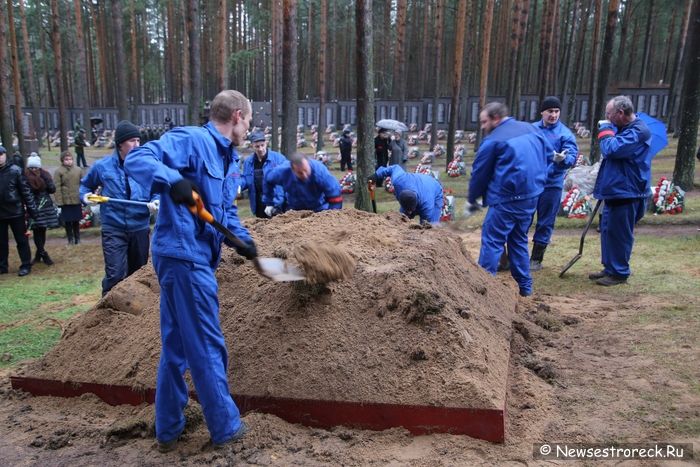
point(647, 45)
point(222, 76)
point(485, 48)
point(195, 84)
point(437, 40)
point(684, 168)
point(567, 64)
point(31, 85)
point(290, 98)
point(81, 64)
point(399, 74)
point(120, 63)
point(604, 74)
point(676, 76)
point(365, 102)
point(323, 25)
point(58, 67)
point(276, 28)
point(15, 79)
point(5, 121)
point(460, 34)
point(592, 111)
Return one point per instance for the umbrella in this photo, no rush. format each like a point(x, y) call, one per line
point(390, 124)
point(95, 120)
point(659, 139)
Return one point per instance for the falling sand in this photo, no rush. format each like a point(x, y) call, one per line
point(323, 263)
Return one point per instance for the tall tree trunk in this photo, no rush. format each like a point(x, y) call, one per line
point(519, 23)
point(135, 69)
point(439, 25)
point(222, 75)
point(187, 64)
point(399, 74)
point(365, 101)
point(15, 79)
point(323, 31)
point(5, 121)
point(518, 74)
point(485, 48)
point(58, 67)
point(290, 98)
point(684, 168)
point(669, 47)
point(106, 97)
point(603, 77)
point(120, 61)
point(622, 51)
point(460, 34)
point(676, 77)
point(195, 84)
point(31, 85)
point(647, 45)
point(275, 28)
point(81, 75)
point(592, 111)
point(569, 55)
point(426, 46)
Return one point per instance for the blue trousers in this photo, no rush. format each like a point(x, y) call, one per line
point(617, 234)
point(124, 253)
point(508, 223)
point(191, 338)
point(547, 209)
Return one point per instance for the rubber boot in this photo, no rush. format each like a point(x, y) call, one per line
point(537, 256)
point(47, 259)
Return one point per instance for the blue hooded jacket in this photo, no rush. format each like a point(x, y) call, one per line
point(319, 192)
point(274, 159)
point(427, 189)
point(560, 138)
point(208, 159)
point(109, 173)
point(511, 164)
point(625, 170)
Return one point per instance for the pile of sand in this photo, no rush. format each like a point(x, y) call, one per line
point(417, 322)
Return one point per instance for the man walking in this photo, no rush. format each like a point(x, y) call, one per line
point(80, 144)
point(509, 172)
point(255, 168)
point(565, 148)
point(186, 253)
point(623, 184)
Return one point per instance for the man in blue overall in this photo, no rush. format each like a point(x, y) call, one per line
point(509, 172)
point(186, 253)
point(255, 167)
point(307, 184)
point(563, 142)
point(125, 227)
point(623, 184)
point(417, 193)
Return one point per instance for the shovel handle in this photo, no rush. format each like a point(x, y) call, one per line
point(199, 210)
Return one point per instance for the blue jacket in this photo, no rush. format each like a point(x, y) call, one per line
point(208, 159)
point(427, 189)
point(320, 192)
point(109, 173)
point(625, 170)
point(511, 164)
point(274, 159)
point(560, 138)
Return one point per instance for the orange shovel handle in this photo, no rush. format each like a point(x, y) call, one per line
point(199, 210)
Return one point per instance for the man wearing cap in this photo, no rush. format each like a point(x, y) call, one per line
point(14, 196)
point(381, 148)
point(125, 227)
point(255, 167)
point(418, 194)
point(564, 156)
point(508, 173)
point(307, 184)
point(345, 146)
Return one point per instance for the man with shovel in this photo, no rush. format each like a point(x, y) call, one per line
point(197, 167)
point(125, 226)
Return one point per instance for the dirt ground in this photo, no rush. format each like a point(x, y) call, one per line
point(584, 369)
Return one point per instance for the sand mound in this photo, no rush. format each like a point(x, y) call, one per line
point(416, 322)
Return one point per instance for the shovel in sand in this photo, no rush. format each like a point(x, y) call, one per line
point(273, 268)
point(583, 236)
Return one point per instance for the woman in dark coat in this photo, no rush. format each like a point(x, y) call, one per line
point(67, 179)
point(42, 186)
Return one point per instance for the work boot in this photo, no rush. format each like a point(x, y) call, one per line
point(24, 270)
point(236, 436)
point(607, 281)
point(537, 256)
point(594, 276)
point(47, 259)
point(37, 257)
point(167, 447)
point(503, 263)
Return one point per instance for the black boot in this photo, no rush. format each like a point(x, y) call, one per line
point(537, 256)
point(76, 233)
point(69, 233)
point(37, 257)
point(47, 259)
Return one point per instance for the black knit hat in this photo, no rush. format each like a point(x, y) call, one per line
point(125, 131)
point(408, 200)
point(550, 102)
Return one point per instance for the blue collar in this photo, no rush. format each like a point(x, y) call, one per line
point(220, 139)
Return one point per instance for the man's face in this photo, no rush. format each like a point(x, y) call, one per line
point(551, 116)
point(487, 123)
point(68, 161)
point(126, 146)
point(384, 135)
point(616, 117)
point(3, 158)
point(241, 124)
point(302, 170)
point(260, 148)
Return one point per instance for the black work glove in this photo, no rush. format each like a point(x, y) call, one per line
point(249, 251)
point(373, 179)
point(181, 192)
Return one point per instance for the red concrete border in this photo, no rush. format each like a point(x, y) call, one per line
point(486, 424)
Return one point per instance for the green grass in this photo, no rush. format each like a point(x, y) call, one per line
point(27, 341)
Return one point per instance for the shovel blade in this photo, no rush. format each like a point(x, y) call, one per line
point(278, 270)
point(569, 264)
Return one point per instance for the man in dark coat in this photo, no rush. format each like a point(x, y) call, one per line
point(345, 145)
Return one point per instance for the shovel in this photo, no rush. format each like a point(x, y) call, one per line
point(583, 236)
point(273, 268)
point(106, 199)
point(372, 187)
